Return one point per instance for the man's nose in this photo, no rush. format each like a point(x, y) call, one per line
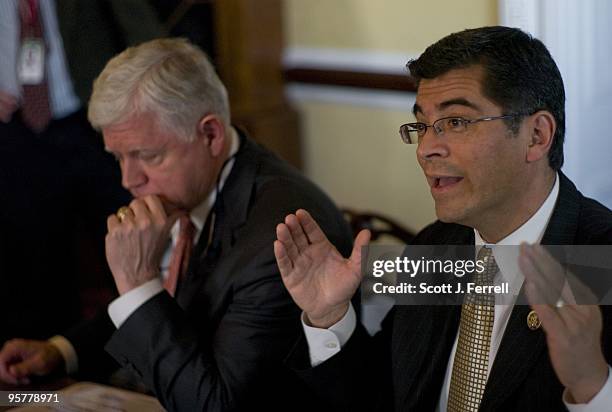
point(132, 175)
point(432, 145)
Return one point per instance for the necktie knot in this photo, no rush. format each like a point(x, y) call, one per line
point(486, 277)
point(186, 228)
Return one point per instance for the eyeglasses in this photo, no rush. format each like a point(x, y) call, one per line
point(412, 133)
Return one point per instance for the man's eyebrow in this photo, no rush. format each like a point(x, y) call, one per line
point(416, 109)
point(460, 101)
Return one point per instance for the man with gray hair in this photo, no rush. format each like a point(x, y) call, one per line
point(205, 327)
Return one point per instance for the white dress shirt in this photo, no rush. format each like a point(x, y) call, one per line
point(122, 307)
point(63, 100)
point(324, 343)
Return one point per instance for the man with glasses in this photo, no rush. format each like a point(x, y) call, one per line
point(490, 129)
point(412, 133)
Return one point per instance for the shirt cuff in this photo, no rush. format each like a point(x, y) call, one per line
point(600, 402)
point(325, 343)
point(64, 346)
point(121, 308)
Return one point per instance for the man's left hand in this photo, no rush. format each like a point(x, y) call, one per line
point(573, 332)
point(136, 243)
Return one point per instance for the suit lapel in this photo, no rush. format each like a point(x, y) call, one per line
point(521, 347)
point(236, 197)
point(519, 350)
point(563, 225)
point(424, 337)
point(231, 210)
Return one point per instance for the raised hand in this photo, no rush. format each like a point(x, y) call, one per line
point(573, 332)
point(21, 358)
point(320, 280)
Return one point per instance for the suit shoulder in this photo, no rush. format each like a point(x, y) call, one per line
point(280, 189)
point(594, 223)
point(278, 182)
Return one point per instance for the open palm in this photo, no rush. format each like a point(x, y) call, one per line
point(320, 280)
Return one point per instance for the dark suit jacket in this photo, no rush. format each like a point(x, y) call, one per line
point(403, 367)
point(94, 31)
point(38, 293)
point(220, 345)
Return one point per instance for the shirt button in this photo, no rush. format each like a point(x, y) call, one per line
point(331, 345)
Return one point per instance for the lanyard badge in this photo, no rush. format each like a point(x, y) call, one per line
point(31, 59)
point(31, 63)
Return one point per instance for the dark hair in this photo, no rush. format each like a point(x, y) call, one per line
point(520, 74)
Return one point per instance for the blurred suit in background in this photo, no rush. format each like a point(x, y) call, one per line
point(58, 184)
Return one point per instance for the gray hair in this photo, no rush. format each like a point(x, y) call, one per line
point(170, 78)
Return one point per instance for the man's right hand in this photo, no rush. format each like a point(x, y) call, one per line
point(8, 105)
point(320, 280)
point(21, 358)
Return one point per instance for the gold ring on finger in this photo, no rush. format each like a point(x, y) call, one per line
point(122, 213)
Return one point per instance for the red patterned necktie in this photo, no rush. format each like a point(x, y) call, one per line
point(35, 110)
point(179, 259)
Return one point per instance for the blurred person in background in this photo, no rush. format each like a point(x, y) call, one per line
point(60, 183)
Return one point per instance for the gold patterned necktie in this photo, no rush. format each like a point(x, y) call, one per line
point(471, 362)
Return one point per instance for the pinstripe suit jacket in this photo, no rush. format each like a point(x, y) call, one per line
point(403, 367)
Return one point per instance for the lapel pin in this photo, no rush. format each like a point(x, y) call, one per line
point(533, 321)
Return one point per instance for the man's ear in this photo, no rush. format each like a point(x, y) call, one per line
point(211, 129)
point(541, 127)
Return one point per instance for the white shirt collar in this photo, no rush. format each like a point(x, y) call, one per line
point(531, 232)
point(533, 229)
point(200, 213)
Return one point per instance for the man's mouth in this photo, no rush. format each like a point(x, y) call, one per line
point(439, 183)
